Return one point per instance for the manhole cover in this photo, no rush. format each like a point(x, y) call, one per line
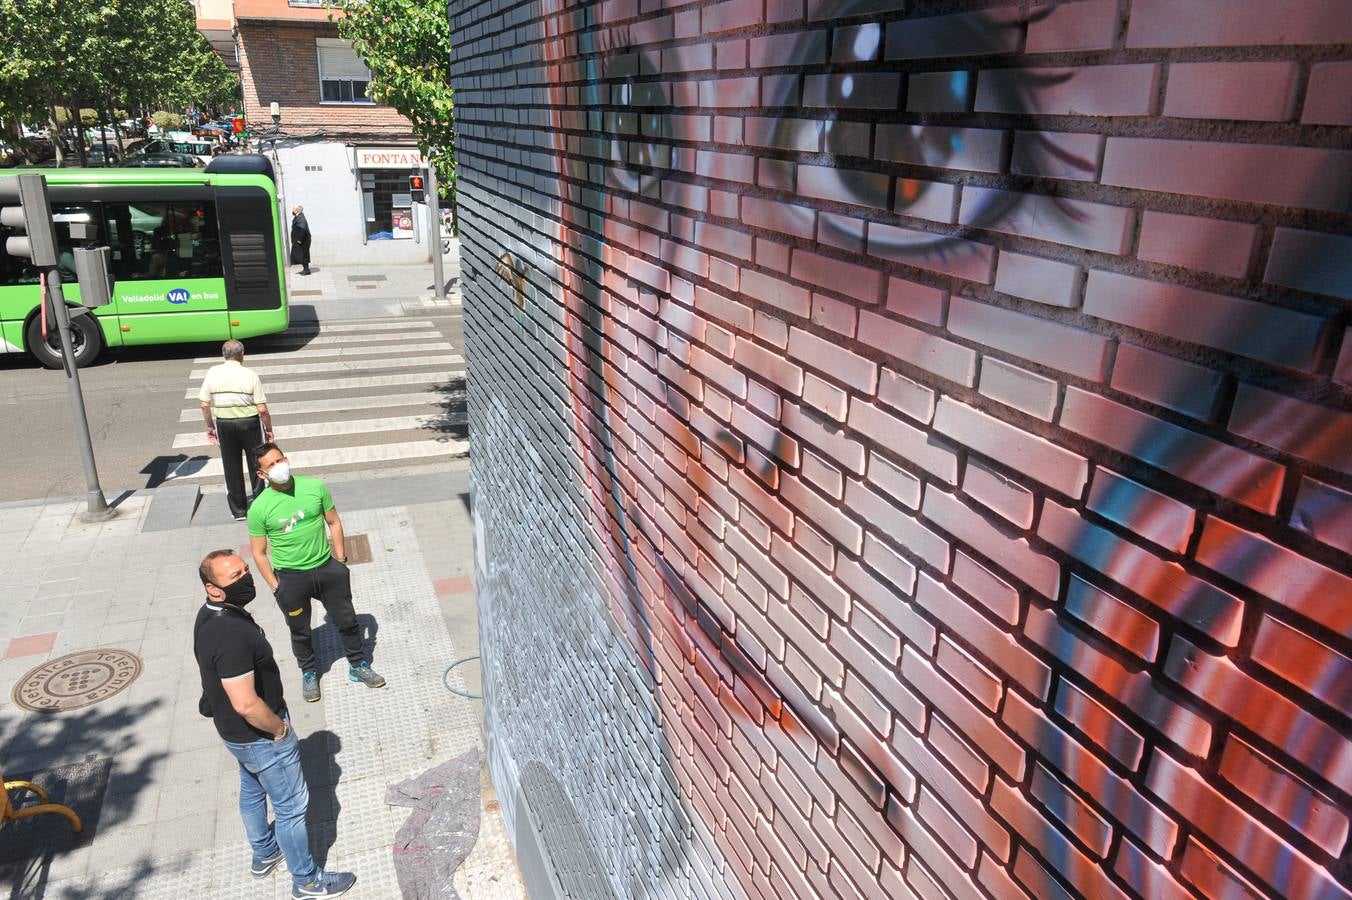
point(77, 679)
point(358, 547)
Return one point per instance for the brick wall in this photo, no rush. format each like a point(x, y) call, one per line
point(913, 453)
point(279, 63)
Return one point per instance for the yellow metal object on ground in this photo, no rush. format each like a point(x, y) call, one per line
point(9, 813)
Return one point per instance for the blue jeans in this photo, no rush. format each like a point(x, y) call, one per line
point(270, 770)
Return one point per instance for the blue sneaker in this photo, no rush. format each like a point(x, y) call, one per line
point(365, 675)
point(262, 868)
point(309, 686)
point(328, 884)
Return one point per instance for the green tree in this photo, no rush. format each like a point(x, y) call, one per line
point(407, 46)
point(167, 121)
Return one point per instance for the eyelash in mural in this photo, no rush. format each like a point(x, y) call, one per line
point(924, 146)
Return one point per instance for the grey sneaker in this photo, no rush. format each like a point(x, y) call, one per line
point(366, 675)
point(328, 884)
point(262, 868)
point(309, 686)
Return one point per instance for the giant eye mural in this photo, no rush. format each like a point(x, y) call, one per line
point(920, 463)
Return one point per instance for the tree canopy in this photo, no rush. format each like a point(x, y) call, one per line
point(407, 46)
point(107, 53)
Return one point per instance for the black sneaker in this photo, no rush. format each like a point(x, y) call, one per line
point(309, 686)
point(262, 868)
point(329, 884)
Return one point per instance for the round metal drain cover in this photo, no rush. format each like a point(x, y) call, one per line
point(77, 679)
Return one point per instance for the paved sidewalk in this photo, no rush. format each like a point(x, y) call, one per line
point(167, 824)
point(364, 291)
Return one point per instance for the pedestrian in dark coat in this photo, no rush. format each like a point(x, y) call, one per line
point(300, 240)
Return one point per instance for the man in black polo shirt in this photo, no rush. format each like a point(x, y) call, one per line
point(243, 688)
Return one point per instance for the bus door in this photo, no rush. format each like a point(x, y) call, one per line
point(166, 259)
point(251, 249)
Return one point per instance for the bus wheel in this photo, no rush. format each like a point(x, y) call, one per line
point(86, 341)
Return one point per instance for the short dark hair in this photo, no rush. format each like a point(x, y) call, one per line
point(267, 447)
point(209, 563)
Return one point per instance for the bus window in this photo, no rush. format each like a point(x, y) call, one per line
point(163, 240)
point(76, 226)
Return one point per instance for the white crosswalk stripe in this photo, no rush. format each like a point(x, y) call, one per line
point(347, 406)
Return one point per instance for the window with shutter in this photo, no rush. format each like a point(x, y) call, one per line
point(343, 77)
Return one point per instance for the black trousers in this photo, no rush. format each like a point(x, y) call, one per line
point(239, 437)
point(330, 584)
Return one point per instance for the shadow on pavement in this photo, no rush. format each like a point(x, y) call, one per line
point(319, 762)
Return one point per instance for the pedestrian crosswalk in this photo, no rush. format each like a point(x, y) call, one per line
point(343, 395)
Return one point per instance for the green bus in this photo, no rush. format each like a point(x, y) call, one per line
point(196, 256)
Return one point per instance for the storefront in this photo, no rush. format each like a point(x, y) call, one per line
point(387, 204)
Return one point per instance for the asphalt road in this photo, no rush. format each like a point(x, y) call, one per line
point(134, 400)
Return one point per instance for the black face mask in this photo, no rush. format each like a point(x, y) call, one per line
point(242, 592)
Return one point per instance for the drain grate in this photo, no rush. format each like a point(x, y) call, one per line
point(366, 278)
point(358, 547)
point(77, 679)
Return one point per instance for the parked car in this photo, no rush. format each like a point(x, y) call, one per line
point(162, 161)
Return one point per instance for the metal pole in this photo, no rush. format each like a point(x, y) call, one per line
point(434, 229)
point(96, 506)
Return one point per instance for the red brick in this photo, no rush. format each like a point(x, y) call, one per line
point(1166, 380)
point(1264, 853)
point(1208, 245)
point(770, 366)
point(723, 240)
point(1254, 91)
point(1074, 866)
point(1086, 91)
point(1289, 798)
point(730, 15)
point(826, 356)
point(863, 284)
point(902, 528)
point(947, 828)
point(1324, 512)
point(1036, 877)
point(1039, 459)
point(844, 185)
point(730, 311)
point(940, 779)
point(857, 90)
point(972, 676)
point(953, 749)
point(1030, 337)
point(906, 395)
point(933, 252)
point(932, 200)
point(1242, 476)
point(1057, 154)
point(924, 848)
point(1154, 516)
point(905, 441)
point(1318, 434)
point(758, 562)
point(824, 397)
point(1220, 683)
point(916, 301)
point(834, 314)
point(1104, 728)
point(1135, 690)
point(825, 436)
point(970, 720)
point(1018, 388)
point(1226, 23)
point(997, 881)
point(772, 329)
point(725, 166)
point(1164, 584)
point(790, 298)
point(882, 678)
point(918, 348)
point(1148, 877)
point(1035, 278)
point(899, 573)
point(1307, 177)
point(1090, 226)
point(1010, 500)
point(785, 218)
point(1115, 620)
point(1310, 664)
point(894, 481)
point(1310, 261)
point(844, 530)
point(972, 149)
point(993, 593)
point(1014, 555)
point(1328, 98)
point(823, 475)
point(964, 34)
point(1090, 25)
point(1301, 585)
point(1082, 821)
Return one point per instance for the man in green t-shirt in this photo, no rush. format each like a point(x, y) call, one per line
point(290, 516)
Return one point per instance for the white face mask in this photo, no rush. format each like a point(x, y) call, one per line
point(280, 473)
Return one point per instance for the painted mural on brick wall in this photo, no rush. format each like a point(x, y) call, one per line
point(913, 443)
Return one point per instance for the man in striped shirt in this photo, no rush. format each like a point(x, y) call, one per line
point(236, 412)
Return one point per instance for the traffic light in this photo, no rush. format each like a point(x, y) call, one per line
point(91, 271)
point(32, 218)
point(237, 124)
point(415, 187)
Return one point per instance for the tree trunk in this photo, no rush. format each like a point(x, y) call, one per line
point(117, 131)
point(79, 133)
point(54, 135)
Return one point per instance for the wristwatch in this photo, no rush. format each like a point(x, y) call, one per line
point(341, 559)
